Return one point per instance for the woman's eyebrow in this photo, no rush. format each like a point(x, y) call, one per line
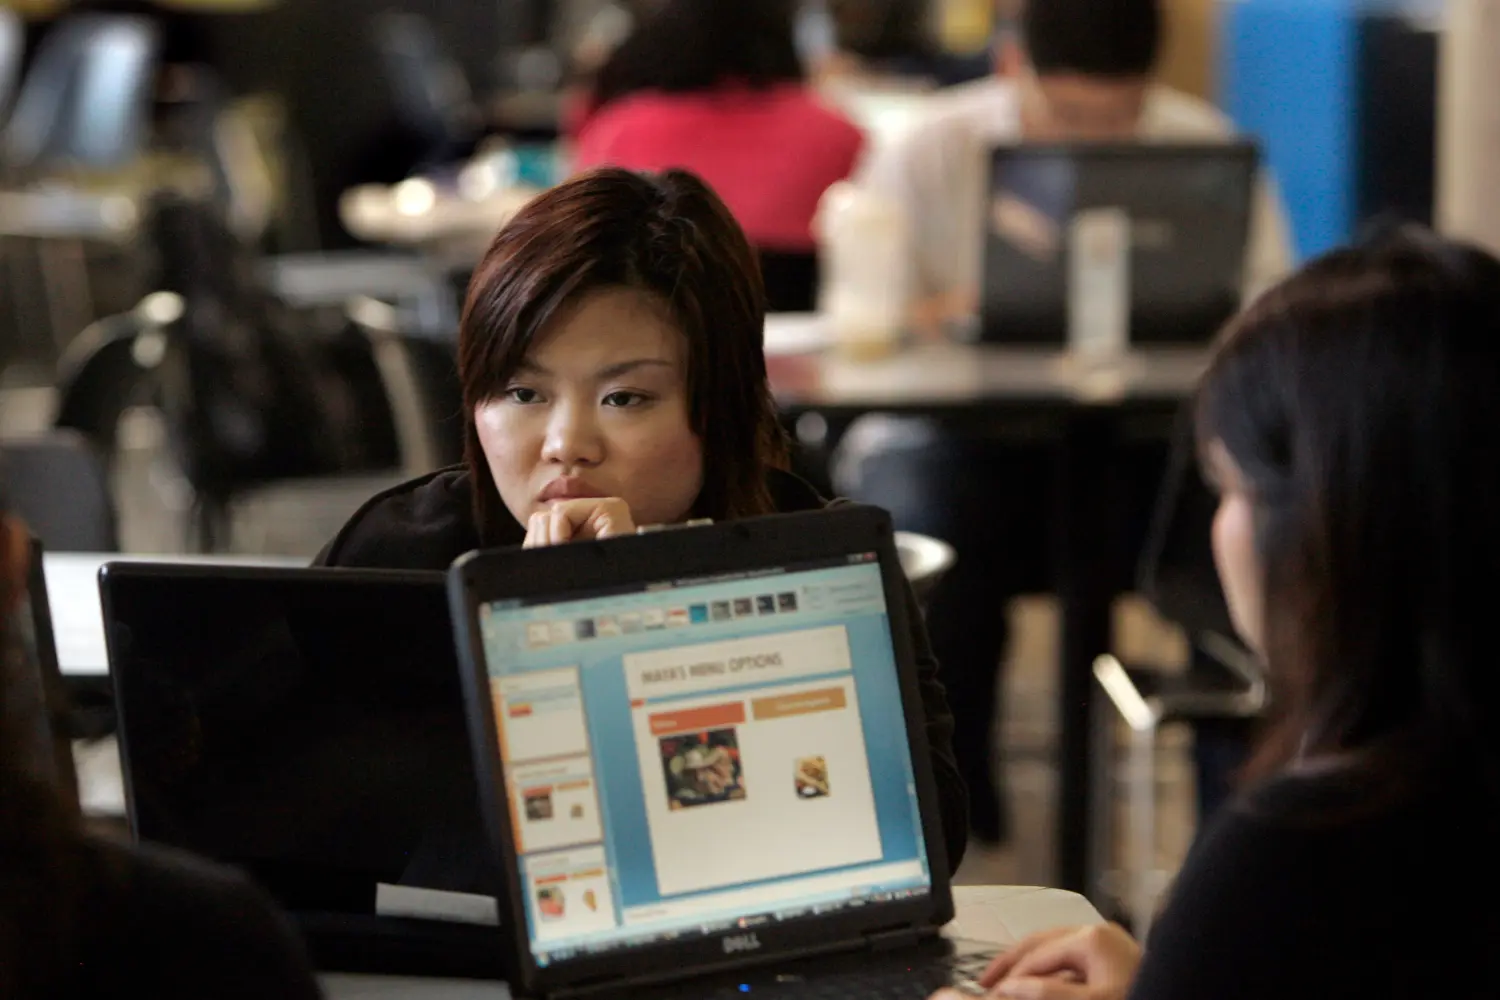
point(625, 367)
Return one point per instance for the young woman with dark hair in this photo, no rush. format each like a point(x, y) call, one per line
point(613, 376)
point(1351, 422)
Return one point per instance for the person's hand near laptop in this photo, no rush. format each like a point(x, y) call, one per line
point(1095, 962)
point(578, 520)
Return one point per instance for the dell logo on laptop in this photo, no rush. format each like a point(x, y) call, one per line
point(736, 943)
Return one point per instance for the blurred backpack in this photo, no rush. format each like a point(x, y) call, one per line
point(250, 392)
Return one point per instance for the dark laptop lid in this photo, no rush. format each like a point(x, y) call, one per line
point(1189, 207)
point(701, 748)
point(305, 725)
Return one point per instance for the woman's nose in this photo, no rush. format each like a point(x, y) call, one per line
point(573, 437)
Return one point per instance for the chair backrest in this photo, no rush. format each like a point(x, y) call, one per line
point(86, 101)
point(430, 92)
point(59, 486)
point(12, 47)
point(420, 378)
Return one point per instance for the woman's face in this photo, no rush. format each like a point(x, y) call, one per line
point(599, 408)
point(1235, 555)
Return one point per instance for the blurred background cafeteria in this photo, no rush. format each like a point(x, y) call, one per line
point(235, 237)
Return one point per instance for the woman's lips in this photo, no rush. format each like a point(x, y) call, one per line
point(568, 488)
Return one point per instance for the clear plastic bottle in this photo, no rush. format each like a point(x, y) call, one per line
point(864, 244)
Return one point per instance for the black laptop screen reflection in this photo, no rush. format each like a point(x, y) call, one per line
point(312, 734)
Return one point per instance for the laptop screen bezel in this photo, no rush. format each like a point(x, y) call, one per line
point(689, 554)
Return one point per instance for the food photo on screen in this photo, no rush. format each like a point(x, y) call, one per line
point(702, 768)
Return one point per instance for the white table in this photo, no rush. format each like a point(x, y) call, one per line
point(73, 595)
point(425, 215)
point(998, 915)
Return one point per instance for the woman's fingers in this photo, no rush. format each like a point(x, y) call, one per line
point(1068, 954)
point(536, 530)
point(1040, 988)
point(560, 524)
point(1030, 989)
point(611, 519)
point(579, 520)
point(1007, 960)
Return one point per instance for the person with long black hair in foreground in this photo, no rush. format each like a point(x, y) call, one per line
point(1351, 423)
point(83, 917)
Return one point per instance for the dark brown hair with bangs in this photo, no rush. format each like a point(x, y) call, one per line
point(1360, 401)
point(671, 237)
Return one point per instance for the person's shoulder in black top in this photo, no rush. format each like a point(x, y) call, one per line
point(1319, 886)
point(424, 523)
point(163, 924)
point(428, 522)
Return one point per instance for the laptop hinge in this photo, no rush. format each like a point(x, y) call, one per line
point(901, 937)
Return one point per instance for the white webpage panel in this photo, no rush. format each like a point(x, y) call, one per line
point(541, 714)
point(762, 784)
point(556, 804)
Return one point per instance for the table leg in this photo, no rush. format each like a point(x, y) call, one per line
point(1085, 588)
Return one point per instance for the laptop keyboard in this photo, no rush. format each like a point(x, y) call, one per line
point(903, 981)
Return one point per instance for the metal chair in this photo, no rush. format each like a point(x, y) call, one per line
point(420, 376)
point(86, 101)
point(431, 95)
point(1149, 700)
point(59, 486)
point(1178, 577)
point(84, 105)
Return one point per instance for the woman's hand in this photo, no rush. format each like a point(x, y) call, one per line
point(1075, 963)
point(579, 521)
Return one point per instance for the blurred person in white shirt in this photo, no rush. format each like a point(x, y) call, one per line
point(1072, 71)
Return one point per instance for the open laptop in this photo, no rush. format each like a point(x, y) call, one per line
point(702, 757)
point(1186, 209)
point(307, 726)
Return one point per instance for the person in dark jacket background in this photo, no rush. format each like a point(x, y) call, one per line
point(613, 376)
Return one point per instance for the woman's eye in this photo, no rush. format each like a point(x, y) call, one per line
point(624, 398)
point(521, 394)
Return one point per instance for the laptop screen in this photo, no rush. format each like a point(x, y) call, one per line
point(700, 755)
point(306, 726)
point(1186, 213)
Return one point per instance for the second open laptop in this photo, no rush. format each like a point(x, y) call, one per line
point(1185, 209)
point(703, 762)
point(307, 726)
